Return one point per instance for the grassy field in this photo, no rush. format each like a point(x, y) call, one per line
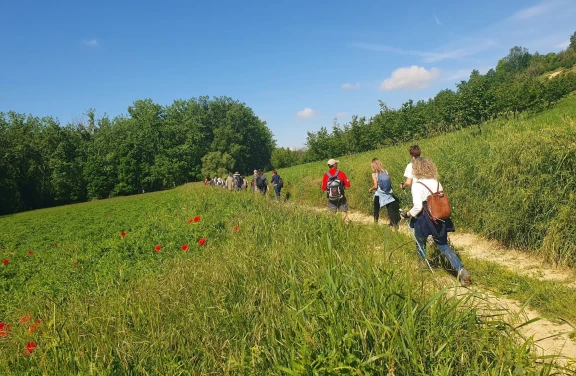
point(271, 291)
point(508, 180)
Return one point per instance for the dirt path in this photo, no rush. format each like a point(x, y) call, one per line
point(550, 338)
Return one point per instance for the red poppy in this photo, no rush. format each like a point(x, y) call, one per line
point(30, 346)
point(5, 262)
point(55, 244)
point(4, 329)
point(75, 265)
point(24, 319)
point(237, 228)
point(157, 248)
point(202, 241)
point(123, 234)
point(34, 327)
point(30, 252)
point(190, 220)
point(197, 219)
point(184, 247)
point(155, 200)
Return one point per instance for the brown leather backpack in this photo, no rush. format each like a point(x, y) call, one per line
point(438, 204)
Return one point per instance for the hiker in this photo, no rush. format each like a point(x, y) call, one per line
point(333, 182)
point(237, 181)
point(261, 182)
point(426, 176)
point(383, 194)
point(277, 182)
point(230, 182)
point(253, 181)
point(414, 153)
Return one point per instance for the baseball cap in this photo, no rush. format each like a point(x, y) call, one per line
point(332, 162)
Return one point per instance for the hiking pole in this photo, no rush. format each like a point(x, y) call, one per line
point(422, 252)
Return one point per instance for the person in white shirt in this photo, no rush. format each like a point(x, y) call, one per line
point(414, 153)
point(425, 172)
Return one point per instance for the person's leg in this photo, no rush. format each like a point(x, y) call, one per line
point(277, 191)
point(451, 256)
point(376, 208)
point(343, 208)
point(420, 242)
point(393, 209)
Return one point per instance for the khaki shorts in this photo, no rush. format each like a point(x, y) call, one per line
point(338, 205)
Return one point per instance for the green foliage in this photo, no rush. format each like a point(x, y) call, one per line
point(282, 293)
point(285, 157)
point(217, 164)
point(573, 41)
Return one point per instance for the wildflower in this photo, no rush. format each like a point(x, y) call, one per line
point(55, 244)
point(184, 247)
point(75, 265)
point(190, 220)
point(123, 234)
point(157, 248)
point(237, 228)
point(6, 261)
point(4, 329)
point(30, 252)
point(24, 319)
point(202, 241)
point(34, 327)
point(30, 346)
point(197, 219)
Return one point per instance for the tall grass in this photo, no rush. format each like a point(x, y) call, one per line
point(288, 293)
point(508, 180)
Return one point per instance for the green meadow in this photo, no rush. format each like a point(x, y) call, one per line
point(273, 290)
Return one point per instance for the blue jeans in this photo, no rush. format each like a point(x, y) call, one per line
point(446, 251)
point(277, 191)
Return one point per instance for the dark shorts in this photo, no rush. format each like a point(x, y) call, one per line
point(338, 205)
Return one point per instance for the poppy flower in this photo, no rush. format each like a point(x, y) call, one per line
point(30, 346)
point(75, 265)
point(155, 200)
point(190, 220)
point(30, 252)
point(6, 261)
point(123, 234)
point(202, 241)
point(237, 228)
point(157, 248)
point(24, 319)
point(55, 244)
point(197, 219)
point(34, 327)
point(184, 247)
point(4, 329)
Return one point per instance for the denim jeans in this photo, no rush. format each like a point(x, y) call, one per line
point(446, 251)
point(277, 191)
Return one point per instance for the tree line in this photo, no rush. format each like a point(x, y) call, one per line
point(516, 85)
point(151, 148)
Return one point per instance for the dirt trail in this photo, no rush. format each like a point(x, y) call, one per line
point(551, 338)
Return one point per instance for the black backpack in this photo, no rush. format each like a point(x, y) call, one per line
point(260, 181)
point(238, 181)
point(280, 182)
point(335, 187)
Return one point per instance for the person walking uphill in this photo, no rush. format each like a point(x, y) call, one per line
point(383, 195)
point(425, 172)
point(415, 154)
point(277, 182)
point(333, 183)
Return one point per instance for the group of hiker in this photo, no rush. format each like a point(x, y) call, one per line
point(428, 216)
point(258, 184)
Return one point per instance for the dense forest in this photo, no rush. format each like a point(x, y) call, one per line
point(153, 147)
point(518, 84)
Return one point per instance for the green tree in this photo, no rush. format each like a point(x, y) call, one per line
point(217, 164)
point(573, 41)
point(518, 59)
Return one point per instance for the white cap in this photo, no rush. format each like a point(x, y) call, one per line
point(332, 162)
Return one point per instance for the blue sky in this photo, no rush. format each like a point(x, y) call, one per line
point(298, 64)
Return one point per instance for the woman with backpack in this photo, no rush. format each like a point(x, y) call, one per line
point(383, 194)
point(425, 224)
point(277, 183)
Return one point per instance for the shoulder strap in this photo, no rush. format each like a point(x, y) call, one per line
point(427, 187)
point(438, 188)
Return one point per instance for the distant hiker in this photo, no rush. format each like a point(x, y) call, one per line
point(261, 182)
point(277, 182)
point(333, 182)
point(207, 181)
point(414, 153)
point(230, 182)
point(245, 183)
point(238, 180)
point(425, 172)
point(253, 182)
point(383, 195)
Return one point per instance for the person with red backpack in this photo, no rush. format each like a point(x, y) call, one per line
point(333, 183)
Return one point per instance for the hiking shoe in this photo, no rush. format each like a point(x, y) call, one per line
point(464, 277)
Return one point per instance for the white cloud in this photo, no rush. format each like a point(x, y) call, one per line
point(413, 77)
point(306, 113)
point(91, 43)
point(437, 20)
point(563, 45)
point(348, 86)
point(342, 114)
point(534, 11)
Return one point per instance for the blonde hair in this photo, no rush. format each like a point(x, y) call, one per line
point(424, 168)
point(377, 166)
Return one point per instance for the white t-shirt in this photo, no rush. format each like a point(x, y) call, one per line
point(408, 173)
point(420, 193)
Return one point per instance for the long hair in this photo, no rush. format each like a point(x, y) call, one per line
point(377, 166)
point(424, 168)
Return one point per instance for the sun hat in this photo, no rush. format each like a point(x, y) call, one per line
point(332, 162)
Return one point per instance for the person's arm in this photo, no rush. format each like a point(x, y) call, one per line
point(416, 201)
point(344, 179)
point(324, 182)
point(375, 181)
point(406, 184)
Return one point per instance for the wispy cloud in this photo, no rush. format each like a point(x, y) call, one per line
point(536, 10)
point(563, 45)
point(348, 86)
point(431, 57)
point(306, 113)
point(91, 43)
point(413, 77)
point(437, 20)
point(342, 114)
